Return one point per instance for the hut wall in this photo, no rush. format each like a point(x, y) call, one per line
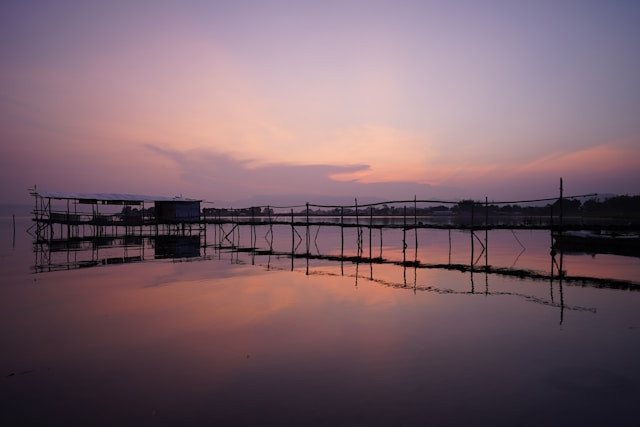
point(177, 211)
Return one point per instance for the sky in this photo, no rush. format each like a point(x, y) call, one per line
point(298, 101)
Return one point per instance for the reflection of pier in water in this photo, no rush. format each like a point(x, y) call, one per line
point(303, 254)
point(304, 247)
point(92, 251)
point(302, 244)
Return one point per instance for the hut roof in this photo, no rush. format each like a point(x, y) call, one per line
point(110, 197)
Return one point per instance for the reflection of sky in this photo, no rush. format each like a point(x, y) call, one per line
point(208, 342)
point(225, 100)
point(214, 342)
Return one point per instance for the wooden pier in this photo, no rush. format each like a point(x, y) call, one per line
point(87, 230)
point(67, 221)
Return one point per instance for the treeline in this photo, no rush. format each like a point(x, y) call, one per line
point(614, 206)
point(627, 205)
point(129, 211)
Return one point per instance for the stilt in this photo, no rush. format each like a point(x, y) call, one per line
point(486, 233)
point(561, 206)
point(293, 240)
point(342, 240)
point(471, 232)
point(415, 225)
point(370, 231)
point(404, 241)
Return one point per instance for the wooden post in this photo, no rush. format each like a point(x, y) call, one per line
point(560, 277)
point(308, 237)
point(486, 233)
point(293, 240)
point(270, 231)
point(341, 231)
point(359, 232)
point(68, 220)
point(415, 225)
point(50, 222)
point(370, 231)
point(215, 234)
point(342, 240)
point(472, 235)
point(561, 205)
point(449, 245)
point(404, 243)
point(253, 230)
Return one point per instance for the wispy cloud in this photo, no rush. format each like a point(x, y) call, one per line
point(220, 176)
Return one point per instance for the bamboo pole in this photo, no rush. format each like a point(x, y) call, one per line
point(472, 235)
point(404, 241)
point(307, 236)
point(561, 205)
point(415, 225)
point(342, 240)
point(370, 231)
point(486, 233)
point(359, 231)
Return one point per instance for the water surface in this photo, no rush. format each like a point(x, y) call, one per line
point(235, 338)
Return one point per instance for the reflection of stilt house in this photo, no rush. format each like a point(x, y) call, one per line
point(91, 229)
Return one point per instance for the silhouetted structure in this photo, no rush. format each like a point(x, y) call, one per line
point(97, 214)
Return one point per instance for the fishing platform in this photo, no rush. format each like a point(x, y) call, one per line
point(70, 215)
point(176, 227)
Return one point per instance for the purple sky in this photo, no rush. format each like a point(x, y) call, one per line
point(226, 100)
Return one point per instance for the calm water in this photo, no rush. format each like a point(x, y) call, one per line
point(234, 338)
